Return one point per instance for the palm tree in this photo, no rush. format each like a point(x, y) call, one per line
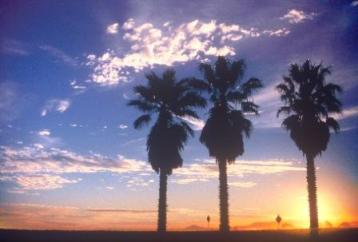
point(170, 100)
point(226, 125)
point(308, 102)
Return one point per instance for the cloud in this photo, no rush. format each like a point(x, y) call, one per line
point(269, 102)
point(59, 105)
point(112, 29)
point(295, 16)
point(14, 47)
point(30, 166)
point(278, 32)
point(111, 210)
point(8, 101)
point(44, 132)
point(122, 126)
point(354, 4)
point(167, 44)
point(60, 55)
point(47, 217)
point(196, 124)
point(41, 181)
point(207, 170)
point(242, 184)
point(76, 86)
point(346, 113)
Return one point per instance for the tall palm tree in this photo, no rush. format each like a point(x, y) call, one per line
point(308, 102)
point(170, 100)
point(224, 130)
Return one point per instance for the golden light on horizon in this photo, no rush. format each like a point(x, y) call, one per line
point(330, 214)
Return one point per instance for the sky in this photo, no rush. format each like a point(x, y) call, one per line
point(71, 159)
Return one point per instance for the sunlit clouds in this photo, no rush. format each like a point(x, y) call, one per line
point(112, 29)
point(295, 16)
point(58, 105)
point(167, 44)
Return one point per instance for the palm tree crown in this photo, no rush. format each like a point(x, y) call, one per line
point(170, 100)
point(226, 125)
point(308, 102)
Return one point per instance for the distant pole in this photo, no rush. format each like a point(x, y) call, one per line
point(208, 220)
point(278, 221)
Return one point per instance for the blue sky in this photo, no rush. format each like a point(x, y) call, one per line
point(67, 70)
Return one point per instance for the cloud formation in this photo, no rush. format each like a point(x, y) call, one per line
point(58, 105)
point(44, 132)
point(295, 16)
point(32, 166)
point(168, 44)
point(112, 29)
point(208, 170)
point(347, 113)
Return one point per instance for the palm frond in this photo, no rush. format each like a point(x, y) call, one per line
point(251, 85)
point(140, 121)
point(142, 105)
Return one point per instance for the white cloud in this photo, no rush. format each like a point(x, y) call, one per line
point(196, 124)
point(74, 84)
point(59, 105)
point(295, 16)
point(44, 132)
point(112, 29)
point(122, 126)
point(208, 170)
point(42, 181)
point(167, 45)
point(354, 4)
point(277, 32)
point(31, 167)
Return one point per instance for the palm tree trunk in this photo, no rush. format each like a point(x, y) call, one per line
point(223, 197)
point(312, 195)
point(162, 206)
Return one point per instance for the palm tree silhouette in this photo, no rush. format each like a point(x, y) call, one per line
point(170, 100)
point(226, 125)
point(308, 102)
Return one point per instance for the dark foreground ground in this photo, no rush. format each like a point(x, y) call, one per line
point(342, 235)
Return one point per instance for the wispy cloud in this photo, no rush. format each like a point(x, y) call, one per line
point(8, 100)
point(77, 86)
point(168, 44)
point(295, 16)
point(34, 165)
point(40, 216)
point(59, 105)
point(111, 210)
point(347, 113)
point(14, 47)
point(196, 124)
point(113, 28)
point(354, 3)
point(208, 170)
point(60, 55)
